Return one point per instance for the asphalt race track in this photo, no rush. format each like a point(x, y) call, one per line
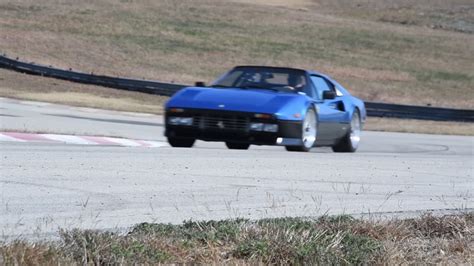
point(49, 186)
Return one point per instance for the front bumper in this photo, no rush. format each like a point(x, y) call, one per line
point(234, 127)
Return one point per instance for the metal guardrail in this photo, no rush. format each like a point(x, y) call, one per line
point(146, 86)
point(418, 112)
point(374, 109)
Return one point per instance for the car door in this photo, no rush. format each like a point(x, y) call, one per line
point(331, 112)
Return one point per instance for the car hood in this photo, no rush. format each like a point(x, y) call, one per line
point(228, 99)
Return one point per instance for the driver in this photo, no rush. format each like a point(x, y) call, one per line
point(296, 81)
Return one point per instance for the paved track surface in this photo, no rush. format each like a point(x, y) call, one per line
point(50, 118)
point(44, 187)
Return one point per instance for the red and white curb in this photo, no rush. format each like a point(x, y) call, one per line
point(78, 140)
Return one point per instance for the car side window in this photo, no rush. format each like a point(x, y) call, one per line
point(321, 85)
point(308, 90)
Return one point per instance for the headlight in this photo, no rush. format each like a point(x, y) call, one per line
point(270, 128)
point(180, 121)
point(263, 127)
point(174, 120)
point(187, 121)
point(256, 126)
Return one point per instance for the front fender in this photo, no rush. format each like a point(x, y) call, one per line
point(295, 109)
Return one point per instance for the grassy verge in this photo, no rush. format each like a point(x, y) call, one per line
point(453, 15)
point(183, 41)
point(419, 126)
point(26, 87)
point(326, 240)
point(408, 52)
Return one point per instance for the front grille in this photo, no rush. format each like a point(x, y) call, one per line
point(221, 122)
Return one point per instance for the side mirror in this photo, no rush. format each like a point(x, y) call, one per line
point(329, 95)
point(200, 84)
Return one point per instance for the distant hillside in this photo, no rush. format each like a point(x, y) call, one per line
point(393, 51)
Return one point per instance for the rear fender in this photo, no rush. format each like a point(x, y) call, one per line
point(355, 104)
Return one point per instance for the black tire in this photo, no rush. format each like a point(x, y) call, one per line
point(295, 149)
point(181, 142)
point(237, 146)
point(306, 148)
point(346, 144)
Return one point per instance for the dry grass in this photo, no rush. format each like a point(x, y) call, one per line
point(327, 240)
point(453, 15)
point(417, 58)
point(419, 126)
point(26, 87)
point(279, 3)
point(189, 40)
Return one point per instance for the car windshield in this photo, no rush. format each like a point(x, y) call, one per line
point(277, 79)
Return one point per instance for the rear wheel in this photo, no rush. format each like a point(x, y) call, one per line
point(181, 142)
point(237, 146)
point(351, 140)
point(309, 132)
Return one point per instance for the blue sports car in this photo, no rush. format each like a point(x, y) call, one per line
point(260, 105)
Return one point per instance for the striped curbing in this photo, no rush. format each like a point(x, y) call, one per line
point(78, 140)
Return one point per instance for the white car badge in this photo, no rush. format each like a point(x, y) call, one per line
point(221, 106)
point(220, 124)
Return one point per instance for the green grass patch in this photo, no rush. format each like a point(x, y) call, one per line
point(340, 240)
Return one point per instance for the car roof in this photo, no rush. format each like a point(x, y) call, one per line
point(271, 67)
point(310, 72)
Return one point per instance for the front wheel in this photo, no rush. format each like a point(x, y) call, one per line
point(237, 146)
point(350, 142)
point(309, 132)
point(181, 142)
